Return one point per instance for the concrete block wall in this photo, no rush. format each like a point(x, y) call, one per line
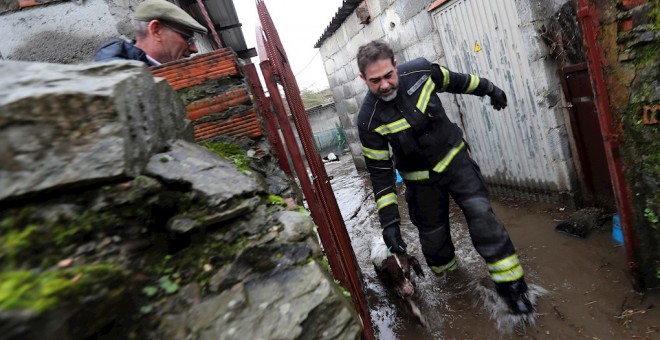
point(405, 25)
point(322, 117)
point(63, 32)
point(409, 28)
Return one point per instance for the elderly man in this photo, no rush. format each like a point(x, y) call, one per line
point(163, 33)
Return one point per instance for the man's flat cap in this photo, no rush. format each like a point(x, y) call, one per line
point(168, 12)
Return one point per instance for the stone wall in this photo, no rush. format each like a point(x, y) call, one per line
point(630, 44)
point(115, 225)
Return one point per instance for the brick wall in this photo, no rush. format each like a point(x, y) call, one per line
point(630, 43)
point(215, 94)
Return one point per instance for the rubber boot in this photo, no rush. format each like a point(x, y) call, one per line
point(514, 293)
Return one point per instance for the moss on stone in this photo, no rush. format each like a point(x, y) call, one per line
point(232, 152)
point(654, 14)
point(210, 87)
point(17, 243)
point(31, 290)
point(28, 238)
point(274, 199)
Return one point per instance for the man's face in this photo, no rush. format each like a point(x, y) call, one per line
point(175, 44)
point(382, 79)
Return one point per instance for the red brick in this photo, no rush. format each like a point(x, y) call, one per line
point(651, 114)
point(626, 25)
point(199, 69)
point(628, 4)
point(435, 4)
point(30, 3)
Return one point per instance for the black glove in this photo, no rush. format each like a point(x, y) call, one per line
point(392, 238)
point(497, 98)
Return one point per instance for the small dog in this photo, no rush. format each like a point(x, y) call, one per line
point(394, 270)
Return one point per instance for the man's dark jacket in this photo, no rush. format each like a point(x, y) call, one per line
point(414, 125)
point(118, 49)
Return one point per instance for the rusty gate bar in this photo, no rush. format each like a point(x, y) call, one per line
point(588, 19)
point(289, 137)
point(338, 245)
point(312, 199)
point(308, 190)
point(209, 22)
point(263, 104)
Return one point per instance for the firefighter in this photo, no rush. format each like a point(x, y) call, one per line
point(401, 113)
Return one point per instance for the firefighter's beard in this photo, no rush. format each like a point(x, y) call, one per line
point(387, 95)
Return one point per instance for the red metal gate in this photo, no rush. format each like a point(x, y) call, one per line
point(320, 197)
point(588, 18)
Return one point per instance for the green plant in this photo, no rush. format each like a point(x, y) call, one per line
point(276, 200)
point(654, 15)
point(167, 285)
point(150, 291)
point(16, 243)
point(343, 290)
point(146, 309)
point(651, 216)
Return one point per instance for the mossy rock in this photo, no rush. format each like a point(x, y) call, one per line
point(31, 290)
point(232, 152)
point(62, 304)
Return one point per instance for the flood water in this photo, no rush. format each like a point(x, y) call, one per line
point(589, 294)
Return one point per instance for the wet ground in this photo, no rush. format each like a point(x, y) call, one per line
point(588, 291)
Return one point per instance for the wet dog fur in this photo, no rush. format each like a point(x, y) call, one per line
point(395, 272)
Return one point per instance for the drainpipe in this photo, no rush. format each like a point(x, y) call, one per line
point(588, 18)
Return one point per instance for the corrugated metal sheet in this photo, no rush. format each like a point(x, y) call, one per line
point(227, 24)
point(218, 104)
point(515, 147)
point(347, 7)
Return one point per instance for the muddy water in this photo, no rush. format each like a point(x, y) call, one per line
point(589, 294)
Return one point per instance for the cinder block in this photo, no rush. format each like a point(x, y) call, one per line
point(423, 24)
point(8, 6)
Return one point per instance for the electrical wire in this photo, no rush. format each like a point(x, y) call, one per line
point(308, 63)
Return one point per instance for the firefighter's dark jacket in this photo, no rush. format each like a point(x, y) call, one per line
point(414, 124)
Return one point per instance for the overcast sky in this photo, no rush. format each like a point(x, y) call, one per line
point(299, 24)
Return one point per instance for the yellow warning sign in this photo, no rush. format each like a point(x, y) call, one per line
point(477, 48)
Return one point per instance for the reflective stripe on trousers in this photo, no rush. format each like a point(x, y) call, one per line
point(428, 204)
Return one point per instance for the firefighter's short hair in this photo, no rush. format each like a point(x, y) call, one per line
point(372, 52)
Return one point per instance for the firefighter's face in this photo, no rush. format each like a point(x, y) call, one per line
point(382, 79)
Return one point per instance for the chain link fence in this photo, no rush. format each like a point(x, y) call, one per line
point(331, 140)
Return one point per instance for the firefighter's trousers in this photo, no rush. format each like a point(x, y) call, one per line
point(428, 204)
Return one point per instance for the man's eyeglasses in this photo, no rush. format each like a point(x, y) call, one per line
point(190, 39)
